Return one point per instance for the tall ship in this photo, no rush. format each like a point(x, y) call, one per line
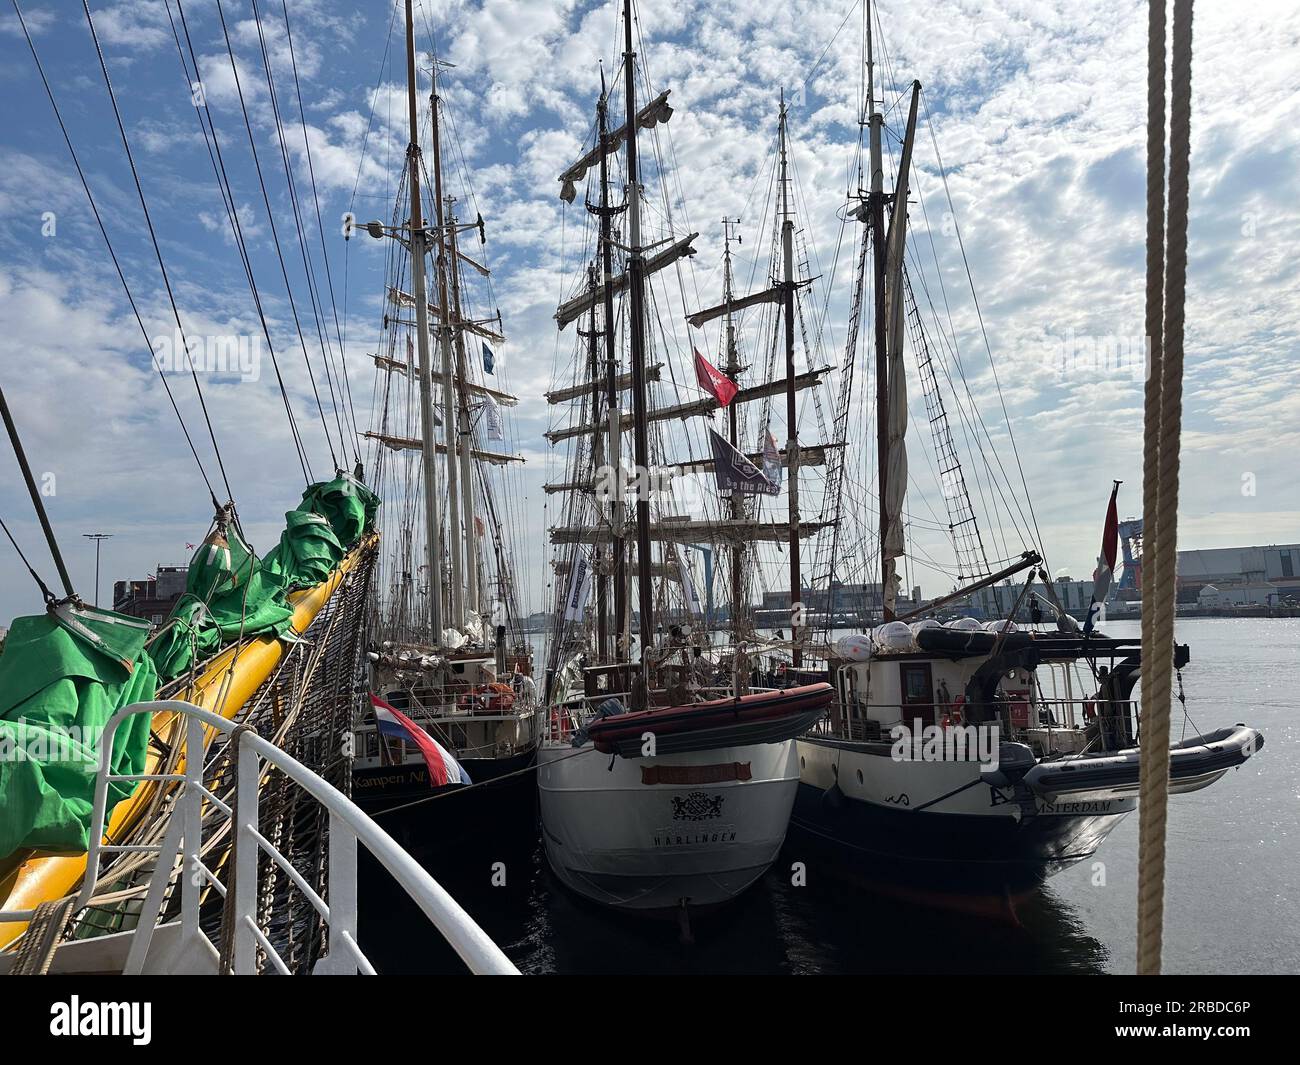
point(182, 805)
point(963, 761)
point(446, 649)
point(668, 767)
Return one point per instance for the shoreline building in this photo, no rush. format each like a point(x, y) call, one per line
point(1237, 574)
point(154, 597)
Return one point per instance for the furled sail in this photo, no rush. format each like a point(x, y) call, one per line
point(621, 383)
point(809, 455)
point(775, 294)
point(580, 305)
point(656, 111)
point(892, 544)
point(411, 443)
point(698, 407)
point(505, 399)
point(693, 531)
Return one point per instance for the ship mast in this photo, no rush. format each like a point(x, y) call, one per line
point(791, 388)
point(891, 380)
point(597, 461)
point(449, 412)
point(615, 457)
point(732, 370)
point(465, 442)
point(432, 519)
point(876, 203)
point(640, 431)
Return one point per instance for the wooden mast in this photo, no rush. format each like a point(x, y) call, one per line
point(791, 389)
point(641, 436)
point(429, 458)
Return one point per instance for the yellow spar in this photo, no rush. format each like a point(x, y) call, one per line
point(228, 682)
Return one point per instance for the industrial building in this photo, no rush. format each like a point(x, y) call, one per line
point(1237, 572)
point(1246, 593)
point(841, 599)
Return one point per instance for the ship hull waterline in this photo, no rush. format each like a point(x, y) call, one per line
point(978, 848)
point(619, 836)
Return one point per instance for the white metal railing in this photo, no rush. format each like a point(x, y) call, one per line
point(348, 826)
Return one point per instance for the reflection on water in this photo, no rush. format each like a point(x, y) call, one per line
point(828, 926)
point(1231, 903)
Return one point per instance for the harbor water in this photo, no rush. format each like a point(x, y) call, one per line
point(1232, 890)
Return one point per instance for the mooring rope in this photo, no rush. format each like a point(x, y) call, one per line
point(1165, 297)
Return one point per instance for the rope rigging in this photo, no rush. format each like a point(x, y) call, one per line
point(275, 236)
point(153, 238)
point(117, 266)
point(213, 143)
point(300, 231)
point(39, 506)
point(320, 227)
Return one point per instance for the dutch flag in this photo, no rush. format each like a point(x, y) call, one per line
point(443, 768)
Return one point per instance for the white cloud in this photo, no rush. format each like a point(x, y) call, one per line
point(1038, 109)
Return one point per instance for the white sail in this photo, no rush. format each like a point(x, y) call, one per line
point(689, 592)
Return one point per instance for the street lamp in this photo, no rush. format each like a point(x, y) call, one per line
point(99, 538)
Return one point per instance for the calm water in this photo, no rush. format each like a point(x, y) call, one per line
point(1233, 898)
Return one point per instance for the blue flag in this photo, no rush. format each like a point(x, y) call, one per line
point(489, 360)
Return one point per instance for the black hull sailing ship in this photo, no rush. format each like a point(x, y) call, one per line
point(449, 662)
point(966, 762)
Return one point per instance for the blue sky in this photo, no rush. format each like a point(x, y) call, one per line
point(1038, 112)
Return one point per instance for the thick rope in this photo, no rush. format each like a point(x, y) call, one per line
point(1163, 413)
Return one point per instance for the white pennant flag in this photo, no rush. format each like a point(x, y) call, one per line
point(579, 588)
point(689, 592)
point(496, 426)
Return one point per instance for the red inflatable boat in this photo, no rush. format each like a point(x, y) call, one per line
point(763, 717)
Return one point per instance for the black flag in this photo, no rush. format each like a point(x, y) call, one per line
point(736, 472)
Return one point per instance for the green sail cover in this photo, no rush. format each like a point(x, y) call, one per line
point(228, 594)
point(62, 676)
point(307, 552)
point(348, 504)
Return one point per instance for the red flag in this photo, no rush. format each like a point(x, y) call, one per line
point(714, 381)
point(1101, 576)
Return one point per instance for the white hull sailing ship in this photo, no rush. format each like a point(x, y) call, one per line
point(666, 777)
point(447, 649)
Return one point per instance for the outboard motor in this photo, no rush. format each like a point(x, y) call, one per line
point(1014, 761)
